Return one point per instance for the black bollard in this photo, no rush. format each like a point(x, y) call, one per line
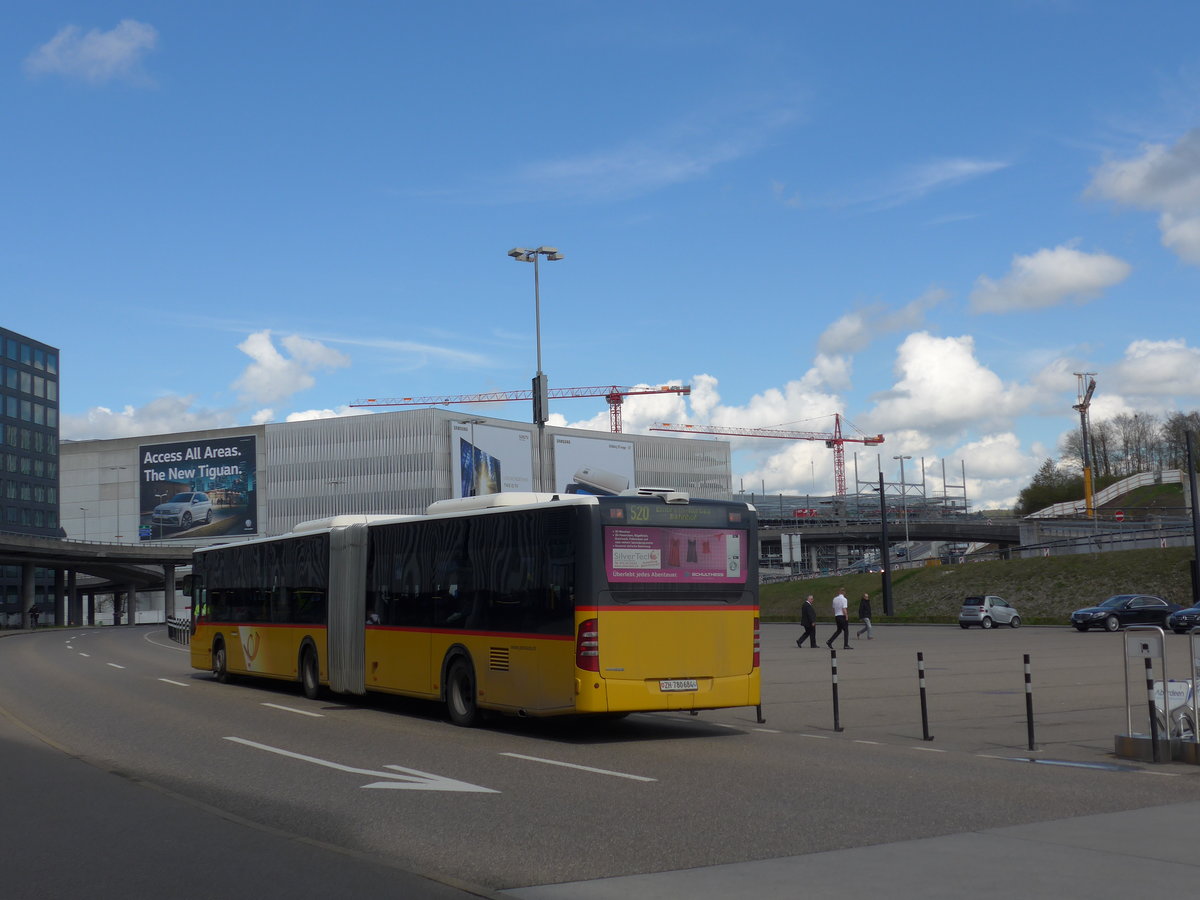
point(1029, 702)
point(1153, 711)
point(924, 702)
point(837, 716)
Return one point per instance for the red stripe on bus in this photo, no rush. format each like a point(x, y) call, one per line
point(670, 607)
point(218, 624)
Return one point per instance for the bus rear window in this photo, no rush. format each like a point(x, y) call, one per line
point(651, 554)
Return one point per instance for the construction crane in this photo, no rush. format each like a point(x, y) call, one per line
point(1086, 386)
point(834, 440)
point(614, 394)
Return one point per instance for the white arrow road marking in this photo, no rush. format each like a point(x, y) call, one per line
point(410, 780)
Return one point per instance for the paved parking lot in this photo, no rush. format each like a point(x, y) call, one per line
point(975, 687)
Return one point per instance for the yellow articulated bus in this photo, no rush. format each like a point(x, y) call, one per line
point(525, 604)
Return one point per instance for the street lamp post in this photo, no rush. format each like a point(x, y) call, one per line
point(159, 498)
point(83, 509)
point(540, 400)
point(904, 499)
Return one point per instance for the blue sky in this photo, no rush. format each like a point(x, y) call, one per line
point(923, 216)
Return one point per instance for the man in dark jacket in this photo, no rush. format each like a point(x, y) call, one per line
point(864, 616)
point(808, 618)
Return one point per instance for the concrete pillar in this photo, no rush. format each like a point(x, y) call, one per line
point(60, 597)
point(131, 605)
point(169, 590)
point(27, 592)
point(91, 607)
point(74, 608)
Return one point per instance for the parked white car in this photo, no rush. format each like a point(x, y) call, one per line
point(988, 611)
point(184, 510)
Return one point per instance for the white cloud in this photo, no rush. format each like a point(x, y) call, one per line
point(308, 415)
point(272, 376)
point(1049, 278)
point(1159, 369)
point(942, 386)
point(855, 330)
point(1164, 179)
point(163, 415)
point(684, 150)
point(920, 180)
point(97, 56)
point(269, 377)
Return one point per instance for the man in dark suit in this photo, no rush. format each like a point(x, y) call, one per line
point(808, 618)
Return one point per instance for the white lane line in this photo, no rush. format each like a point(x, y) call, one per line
point(149, 636)
point(873, 743)
point(819, 737)
point(299, 712)
point(931, 749)
point(114, 665)
point(86, 654)
point(555, 762)
point(169, 681)
point(767, 730)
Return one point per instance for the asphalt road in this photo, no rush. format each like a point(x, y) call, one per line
point(383, 787)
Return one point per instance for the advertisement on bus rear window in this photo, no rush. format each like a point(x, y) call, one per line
point(674, 555)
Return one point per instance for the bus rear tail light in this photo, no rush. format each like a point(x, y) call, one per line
point(757, 644)
point(587, 646)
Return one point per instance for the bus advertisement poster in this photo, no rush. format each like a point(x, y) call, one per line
point(674, 554)
point(198, 489)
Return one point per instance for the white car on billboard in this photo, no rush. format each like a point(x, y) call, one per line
point(184, 510)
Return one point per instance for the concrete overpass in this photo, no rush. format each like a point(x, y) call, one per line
point(110, 568)
point(1005, 532)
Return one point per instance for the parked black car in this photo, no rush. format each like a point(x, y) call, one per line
point(1125, 609)
point(1185, 620)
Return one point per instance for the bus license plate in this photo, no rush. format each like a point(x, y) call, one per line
point(678, 684)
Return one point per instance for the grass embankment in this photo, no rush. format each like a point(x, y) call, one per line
point(1045, 589)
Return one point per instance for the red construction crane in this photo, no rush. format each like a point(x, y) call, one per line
point(834, 439)
point(614, 394)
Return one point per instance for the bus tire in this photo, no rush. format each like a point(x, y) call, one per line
point(460, 693)
point(310, 673)
point(220, 662)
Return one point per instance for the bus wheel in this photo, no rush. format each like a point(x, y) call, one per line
point(460, 693)
point(310, 674)
point(220, 665)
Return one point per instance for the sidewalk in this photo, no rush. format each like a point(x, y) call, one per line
point(1115, 855)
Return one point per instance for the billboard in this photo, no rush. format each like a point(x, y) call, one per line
point(197, 489)
point(488, 460)
point(592, 465)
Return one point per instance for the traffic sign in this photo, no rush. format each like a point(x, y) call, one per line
point(1119, 515)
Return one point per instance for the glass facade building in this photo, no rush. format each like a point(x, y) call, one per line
point(29, 470)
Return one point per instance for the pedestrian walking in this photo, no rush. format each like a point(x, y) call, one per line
point(33, 616)
point(808, 618)
point(864, 616)
point(839, 616)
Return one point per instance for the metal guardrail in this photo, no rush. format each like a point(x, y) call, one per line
point(179, 630)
